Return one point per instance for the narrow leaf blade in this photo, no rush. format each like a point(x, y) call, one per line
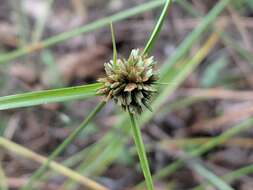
point(157, 28)
point(48, 96)
point(114, 45)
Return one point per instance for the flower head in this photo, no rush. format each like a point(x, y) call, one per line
point(130, 83)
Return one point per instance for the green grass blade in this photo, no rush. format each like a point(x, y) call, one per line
point(206, 147)
point(175, 77)
point(185, 46)
point(41, 22)
point(48, 96)
point(211, 177)
point(114, 46)
point(244, 53)
point(82, 30)
point(3, 181)
point(157, 28)
point(39, 173)
point(189, 8)
point(250, 4)
point(238, 173)
point(231, 176)
point(23, 26)
point(141, 152)
point(212, 72)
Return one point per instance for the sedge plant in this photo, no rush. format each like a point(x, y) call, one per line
point(130, 82)
point(173, 72)
point(86, 91)
point(120, 90)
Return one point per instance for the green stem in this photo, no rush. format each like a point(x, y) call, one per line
point(3, 183)
point(214, 180)
point(191, 38)
point(114, 46)
point(40, 24)
point(157, 28)
point(216, 141)
point(22, 21)
point(208, 146)
point(39, 173)
point(141, 152)
point(234, 175)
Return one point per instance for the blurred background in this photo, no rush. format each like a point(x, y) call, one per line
point(216, 96)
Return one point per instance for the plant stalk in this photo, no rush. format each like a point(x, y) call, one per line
point(141, 152)
point(3, 181)
point(157, 28)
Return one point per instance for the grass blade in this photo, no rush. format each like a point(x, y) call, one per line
point(41, 22)
point(39, 173)
point(114, 45)
point(186, 143)
point(17, 149)
point(82, 30)
point(185, 46)
point(141, 152)
point(211, 177)
point(3, 181)
point(188, 7)
point(23, 26)
point(48, 96)
point(157, 28)
point(206, 147)
point(238, 173)
point(244, 53)
point(234, 175)
point(178, 77)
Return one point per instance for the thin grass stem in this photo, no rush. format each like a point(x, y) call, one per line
point(206, 147)
point(3, 181)
point(141, 152)
point(157, 28)
point(231, 176)
point(22, 21)
point(114, 45)
point(39, 173)
point(216, 181)
point(167, 171)
point(185, 46)
point(40, 24)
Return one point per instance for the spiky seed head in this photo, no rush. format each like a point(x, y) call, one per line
point(130, 83)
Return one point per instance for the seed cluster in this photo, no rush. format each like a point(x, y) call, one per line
point(130, 83)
